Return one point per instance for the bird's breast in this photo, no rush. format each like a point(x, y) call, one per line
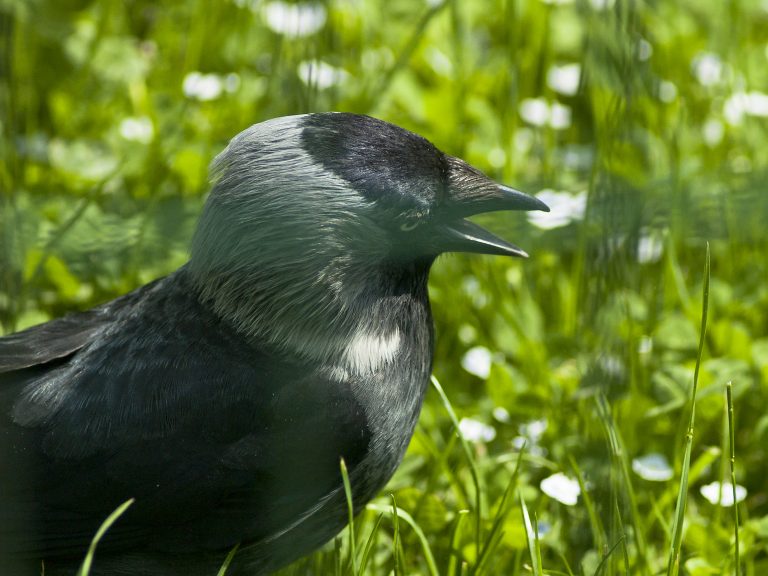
point(392, 374)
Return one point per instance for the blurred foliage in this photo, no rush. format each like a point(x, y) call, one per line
point(643, 123)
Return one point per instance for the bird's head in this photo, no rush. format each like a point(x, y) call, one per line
point(341, 206)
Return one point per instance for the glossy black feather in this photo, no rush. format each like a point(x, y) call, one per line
point(383, 162)
point(50, 341)
point(219, 440)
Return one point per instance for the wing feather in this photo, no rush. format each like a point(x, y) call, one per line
point(49, 341)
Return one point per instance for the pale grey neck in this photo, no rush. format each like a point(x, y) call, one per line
point(351, 325)
point(302, 274)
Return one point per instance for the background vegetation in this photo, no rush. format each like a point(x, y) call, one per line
point(643, 124)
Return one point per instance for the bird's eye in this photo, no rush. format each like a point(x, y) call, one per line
point(408, 226)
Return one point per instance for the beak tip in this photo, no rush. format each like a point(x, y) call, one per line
point(523, 201)
point(539, 205)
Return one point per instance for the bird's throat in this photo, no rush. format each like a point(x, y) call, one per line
point(355, 322)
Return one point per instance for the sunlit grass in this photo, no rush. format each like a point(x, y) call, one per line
point(532, 538)
point(673, 568)
point(593, 339)
point(732, 462)
point(85, 567)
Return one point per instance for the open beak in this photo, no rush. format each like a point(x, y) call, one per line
point(460, 235)
point(466, 236)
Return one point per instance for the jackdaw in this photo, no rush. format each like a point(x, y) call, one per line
point(222, 397)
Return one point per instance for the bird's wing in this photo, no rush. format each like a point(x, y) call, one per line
point(49, 341)
point(166, 405)
point(58, 338)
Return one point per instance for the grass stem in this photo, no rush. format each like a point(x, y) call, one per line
point(731, 437)
point(673, 565)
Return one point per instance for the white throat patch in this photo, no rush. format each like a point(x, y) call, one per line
point(367, 352)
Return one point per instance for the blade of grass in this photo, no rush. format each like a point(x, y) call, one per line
point(470, 461)
point(731, 437)
point(429, 558)
point(701, 465)
point(369, 545)
point(228, 560)
point(351, 514)
point(338, 564)
point(564, 560)
point(85, 567)
point(494, 536)
point(658, 515)
point(453, 560)
point(440, 469)
point(677, 527)
point(623, 538)
point(606, 557)
point(621, 476)
point(396, 549)
point(532, 539)
point(598, 532)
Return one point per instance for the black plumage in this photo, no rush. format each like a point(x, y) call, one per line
point(222, 396)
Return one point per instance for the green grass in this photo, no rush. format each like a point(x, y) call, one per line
point(598, 334)
point(85, 567)
point(673, 568)
point(732, 461)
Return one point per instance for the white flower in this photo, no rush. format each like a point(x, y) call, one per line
point(501, 414)
point(667, 91)
point(440, 62)
point(321, 74)
point(712, 492)
point(611, 365)
point(477, 361)
point(564, 208)
point(534, 429)
point(649, 248)
point(523, 140)
point(563, 489)
point(294, 20)
point(467, 333)
point(564, 79)
point(653, 467)
point(472, 287)
point(559, 116)
point(476, 431)
point(745, 103)
point(538, 112)
point(203, 87)
point(497, 157)
point(713, 131)
point(137, 129)
point(231, 82)
point(644, 50)
point(535, 111)
point(708, 68)
point(645, 345)
point(757, 104)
